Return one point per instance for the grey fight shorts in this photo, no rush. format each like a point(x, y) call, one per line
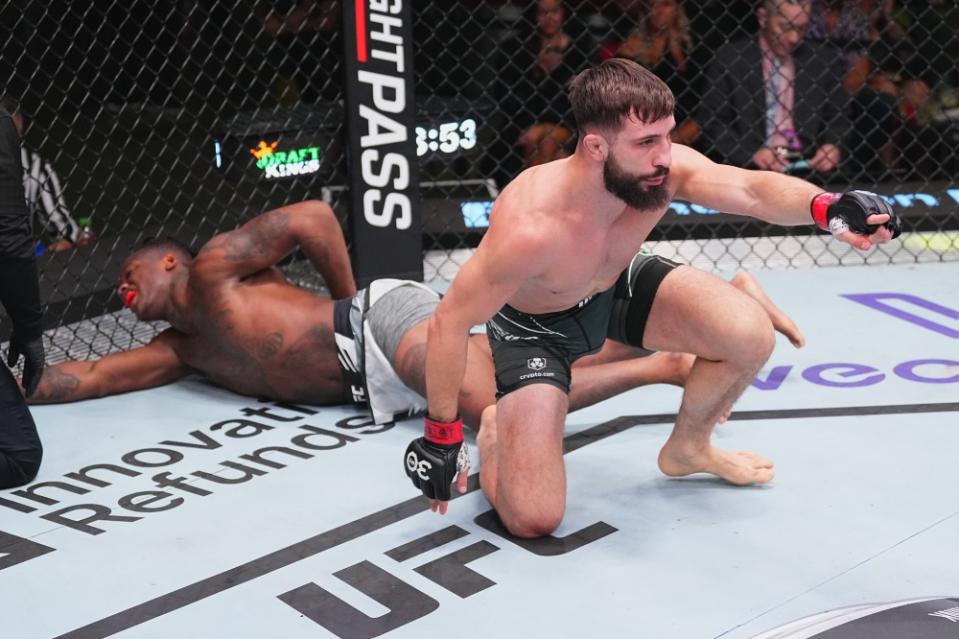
point(368, 329)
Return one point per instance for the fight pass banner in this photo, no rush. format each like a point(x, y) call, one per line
point(380, 114)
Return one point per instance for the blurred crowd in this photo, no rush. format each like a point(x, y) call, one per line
point(810, 87)
point(849, 90)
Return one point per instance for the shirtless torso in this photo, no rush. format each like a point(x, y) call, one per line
point(583, 252)
point(265, 336)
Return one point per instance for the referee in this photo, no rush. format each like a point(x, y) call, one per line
point(20, 449)
point(43, 193)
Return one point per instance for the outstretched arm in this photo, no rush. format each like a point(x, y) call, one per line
point(268, 238)
point(769, 196)
point(781, 199)
point(146, 367)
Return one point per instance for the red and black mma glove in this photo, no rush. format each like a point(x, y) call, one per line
point(433, 460)
point(840, 212)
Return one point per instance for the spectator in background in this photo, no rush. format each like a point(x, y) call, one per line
point(661, 41)
point(20, 449)
point(873, 111)
point(891, 53)
point(44, 194)
point(776, 102)
point(932, 28)
point(929, 95)
point(881, 17)
point(843, 25)
point(548, 57)
point(905, 83)
point(924, 142)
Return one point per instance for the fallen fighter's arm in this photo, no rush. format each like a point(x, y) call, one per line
point(266, 239)
point(146, 367)
point(858, 218)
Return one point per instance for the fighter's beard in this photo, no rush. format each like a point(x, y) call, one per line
point(630, 189)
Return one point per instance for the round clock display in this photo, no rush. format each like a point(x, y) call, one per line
point(448, 137)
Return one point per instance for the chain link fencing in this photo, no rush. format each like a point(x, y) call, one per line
point(165, 118)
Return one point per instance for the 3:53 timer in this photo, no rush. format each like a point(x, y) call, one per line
point(448, 137)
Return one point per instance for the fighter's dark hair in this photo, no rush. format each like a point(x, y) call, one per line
point(167, 244)
point(607, 94)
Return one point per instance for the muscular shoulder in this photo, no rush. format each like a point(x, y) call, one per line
point(687, 163)
point(518, 239)
point(215, 266)
point(529, 204)
point(172, 339)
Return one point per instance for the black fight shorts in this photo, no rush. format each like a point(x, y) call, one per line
point(540, 349)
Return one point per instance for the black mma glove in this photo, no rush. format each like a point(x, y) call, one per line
point(839, 212)
point(433, 460)
point(33, 360)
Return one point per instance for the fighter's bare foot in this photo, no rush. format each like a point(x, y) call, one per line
point(748, 284)
point(737, 467)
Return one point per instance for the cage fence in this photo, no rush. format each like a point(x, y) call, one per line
point(153, 119)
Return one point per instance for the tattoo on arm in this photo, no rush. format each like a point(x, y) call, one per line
point(258, 239)
point(56, 386)
point(269, 346)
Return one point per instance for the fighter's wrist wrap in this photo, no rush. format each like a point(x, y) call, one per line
point(443, 433)
point(820, 208)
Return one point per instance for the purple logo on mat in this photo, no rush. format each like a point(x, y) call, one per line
point(877, 302)
point(855, 375)
point(852, 375)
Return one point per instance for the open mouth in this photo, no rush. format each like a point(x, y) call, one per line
point(129, 297)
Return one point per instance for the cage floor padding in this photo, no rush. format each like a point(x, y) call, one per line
point(189, 511)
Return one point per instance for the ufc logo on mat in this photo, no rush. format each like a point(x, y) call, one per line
point(406, 603)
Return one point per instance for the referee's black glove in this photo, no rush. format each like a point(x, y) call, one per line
point(33, 360)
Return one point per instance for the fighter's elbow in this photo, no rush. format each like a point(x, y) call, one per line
point(314, 220)
point(317, 212)
point(438, 322)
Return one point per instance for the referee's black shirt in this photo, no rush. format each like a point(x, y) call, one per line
point(19, 290)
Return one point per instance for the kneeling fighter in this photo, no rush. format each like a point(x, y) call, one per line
point(545, 310)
